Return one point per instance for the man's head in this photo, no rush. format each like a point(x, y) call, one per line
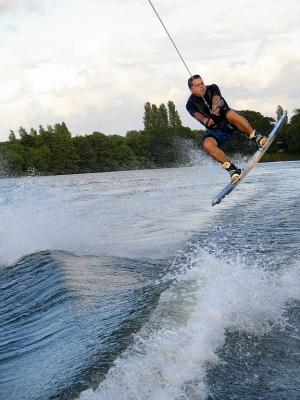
point(196, 85)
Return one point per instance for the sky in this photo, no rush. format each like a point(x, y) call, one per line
point(94, 63)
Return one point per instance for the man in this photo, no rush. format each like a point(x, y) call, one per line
point(207, 106)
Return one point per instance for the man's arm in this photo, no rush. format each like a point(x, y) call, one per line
point(203, 119)
point(216, 101)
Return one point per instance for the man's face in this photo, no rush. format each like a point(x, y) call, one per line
point(198, 88)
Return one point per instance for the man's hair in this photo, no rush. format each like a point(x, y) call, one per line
point(191, 79)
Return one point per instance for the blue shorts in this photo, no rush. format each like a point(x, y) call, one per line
point(222, 134)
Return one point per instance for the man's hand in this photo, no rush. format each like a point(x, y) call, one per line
point(210, 122)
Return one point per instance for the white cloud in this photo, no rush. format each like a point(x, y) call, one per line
point(7, 6)
point(94, 64)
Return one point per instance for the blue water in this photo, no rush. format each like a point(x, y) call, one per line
point(129, 285)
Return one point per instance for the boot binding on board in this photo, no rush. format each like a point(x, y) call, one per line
point(258, 139)
point(234, 172)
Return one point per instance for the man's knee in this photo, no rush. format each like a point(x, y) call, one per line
point(232, 116)
point(210, 144)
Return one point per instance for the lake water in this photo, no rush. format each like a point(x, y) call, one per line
point(130, 286)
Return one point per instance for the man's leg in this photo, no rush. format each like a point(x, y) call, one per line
point(243, 126)
point(211, 146)
point(239, 122)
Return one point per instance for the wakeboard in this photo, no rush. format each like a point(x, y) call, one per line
point(253, 162)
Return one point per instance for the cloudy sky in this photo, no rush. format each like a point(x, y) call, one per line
point(94, 63)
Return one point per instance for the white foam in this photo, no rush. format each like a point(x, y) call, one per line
point(130, 214)
point(169, 357)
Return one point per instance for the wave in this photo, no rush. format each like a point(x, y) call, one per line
point(60, 312)
point(208, 298)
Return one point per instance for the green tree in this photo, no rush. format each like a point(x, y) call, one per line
point(60, 148)
point(292, 137)
point(279, 112)
point(111, 152)
point(139, 142)
point(14, 154)
point(295, 120)
point(260, 123)
point(86, 153)
point(25, 138)
point(162, 147)
point(40, 160)
point(12, 137)
point(163, 121)
point(64, 157)
point(154, 116)
point(174, 119)
point(148, 120)
point(122, 153)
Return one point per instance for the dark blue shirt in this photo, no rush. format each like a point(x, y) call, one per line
point(197, 104)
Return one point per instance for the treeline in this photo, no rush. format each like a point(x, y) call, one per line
point(53, 150)
point(163, 142)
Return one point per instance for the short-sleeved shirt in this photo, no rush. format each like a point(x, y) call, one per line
point(198, 104)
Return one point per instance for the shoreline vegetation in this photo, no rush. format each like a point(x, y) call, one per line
point(164, 142)
point(280, 157)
